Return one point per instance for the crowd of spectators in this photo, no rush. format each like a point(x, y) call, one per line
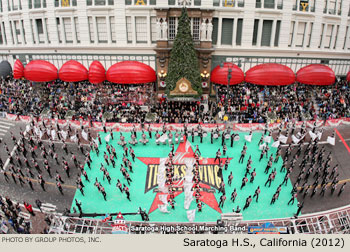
point(139, 103)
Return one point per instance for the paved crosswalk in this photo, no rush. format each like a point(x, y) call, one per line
point(5, 127)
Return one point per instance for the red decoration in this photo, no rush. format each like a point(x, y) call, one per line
point(316, 74)
point(131, 72)
point(73, 71)
point(97, 72)
point(18, 69)
point(270, 74)
point(40, 71)
point(219, 74)
point(348, 77)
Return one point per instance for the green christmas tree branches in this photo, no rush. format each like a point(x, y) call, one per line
point(183, 58)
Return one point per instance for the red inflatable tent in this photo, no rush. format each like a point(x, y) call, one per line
point(219, 74)
point(73, 71)
point(270, 74)
point(40, 71)
point(97, 72)
point(18, 69)
point(348, 77)
point(316, 74)
point(131, 72)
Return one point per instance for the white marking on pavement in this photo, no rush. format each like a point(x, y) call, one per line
point(12, 152)
point(4, 127)
point(7, 123)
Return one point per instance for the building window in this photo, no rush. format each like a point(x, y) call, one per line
point(239, 31)
point(172, 28)
point(335, 37)
point(129, 29)
point(91, 29)
point(40, 29)
point(102, 29)
point(269, 4)
point(310, 34)
point(3, 32)
point(226, 31)
point(153, 29)
point(255, 31)
point(266, 33)
point(77, 30)
point(195, 28)
point(214, 36)
point(59, 32)
point(112, 27)
point(65, 3)
point(299, 40)
point(141, 29)
point(277, 33)
point(67, 26)
point(321, 36)
point(346, 37)
point(328, 38)
point(18, 31)
point(13, 37)
point(291, 31)
point(47, 30)
point(24, 33)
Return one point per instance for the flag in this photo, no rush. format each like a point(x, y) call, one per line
point(312, 135)
point(36, 130)
point(27, 128)
point(331, 140)
point(163, 208)
point(163, 198)
point(107, 138)
point(295, 139)
point(40, 134)
point(276, 144)
point(74, 138)
point(191, 214)
point(319, 135)
point(267, 139)
point(282, 138)
point(248, 138)
point(53, 134)
point(84, 135)
point(64, 134)
point(262, 146)
point(96, 141)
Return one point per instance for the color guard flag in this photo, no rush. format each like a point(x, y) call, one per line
point(331, 140)
point(282, 138)
point(84, 135)
point(276, 144)
point(248, 138)
point(267, 139)
point(295, 139)
point(107, 138)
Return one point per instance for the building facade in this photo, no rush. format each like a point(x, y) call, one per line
point(291, 32)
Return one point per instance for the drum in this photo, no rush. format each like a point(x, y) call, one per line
point(236, 138)
point(157, 141)
point(170, 141)
point(227, 136)
point(182, 140)
point(176, 140)
point(205, 134)
point(196, 133)
point(216, 135)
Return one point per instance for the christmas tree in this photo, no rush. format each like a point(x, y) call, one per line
point(183, 58)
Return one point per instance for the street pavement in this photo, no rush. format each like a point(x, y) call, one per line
point(23, 193)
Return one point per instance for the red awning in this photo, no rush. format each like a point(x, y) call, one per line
point(348, 76)
point(270, 74)
point(73, 71)
point(18, 69)
point(131, 72)
point(219, 74)
point(316, 74)
point(40, 71)
point(97, 72)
